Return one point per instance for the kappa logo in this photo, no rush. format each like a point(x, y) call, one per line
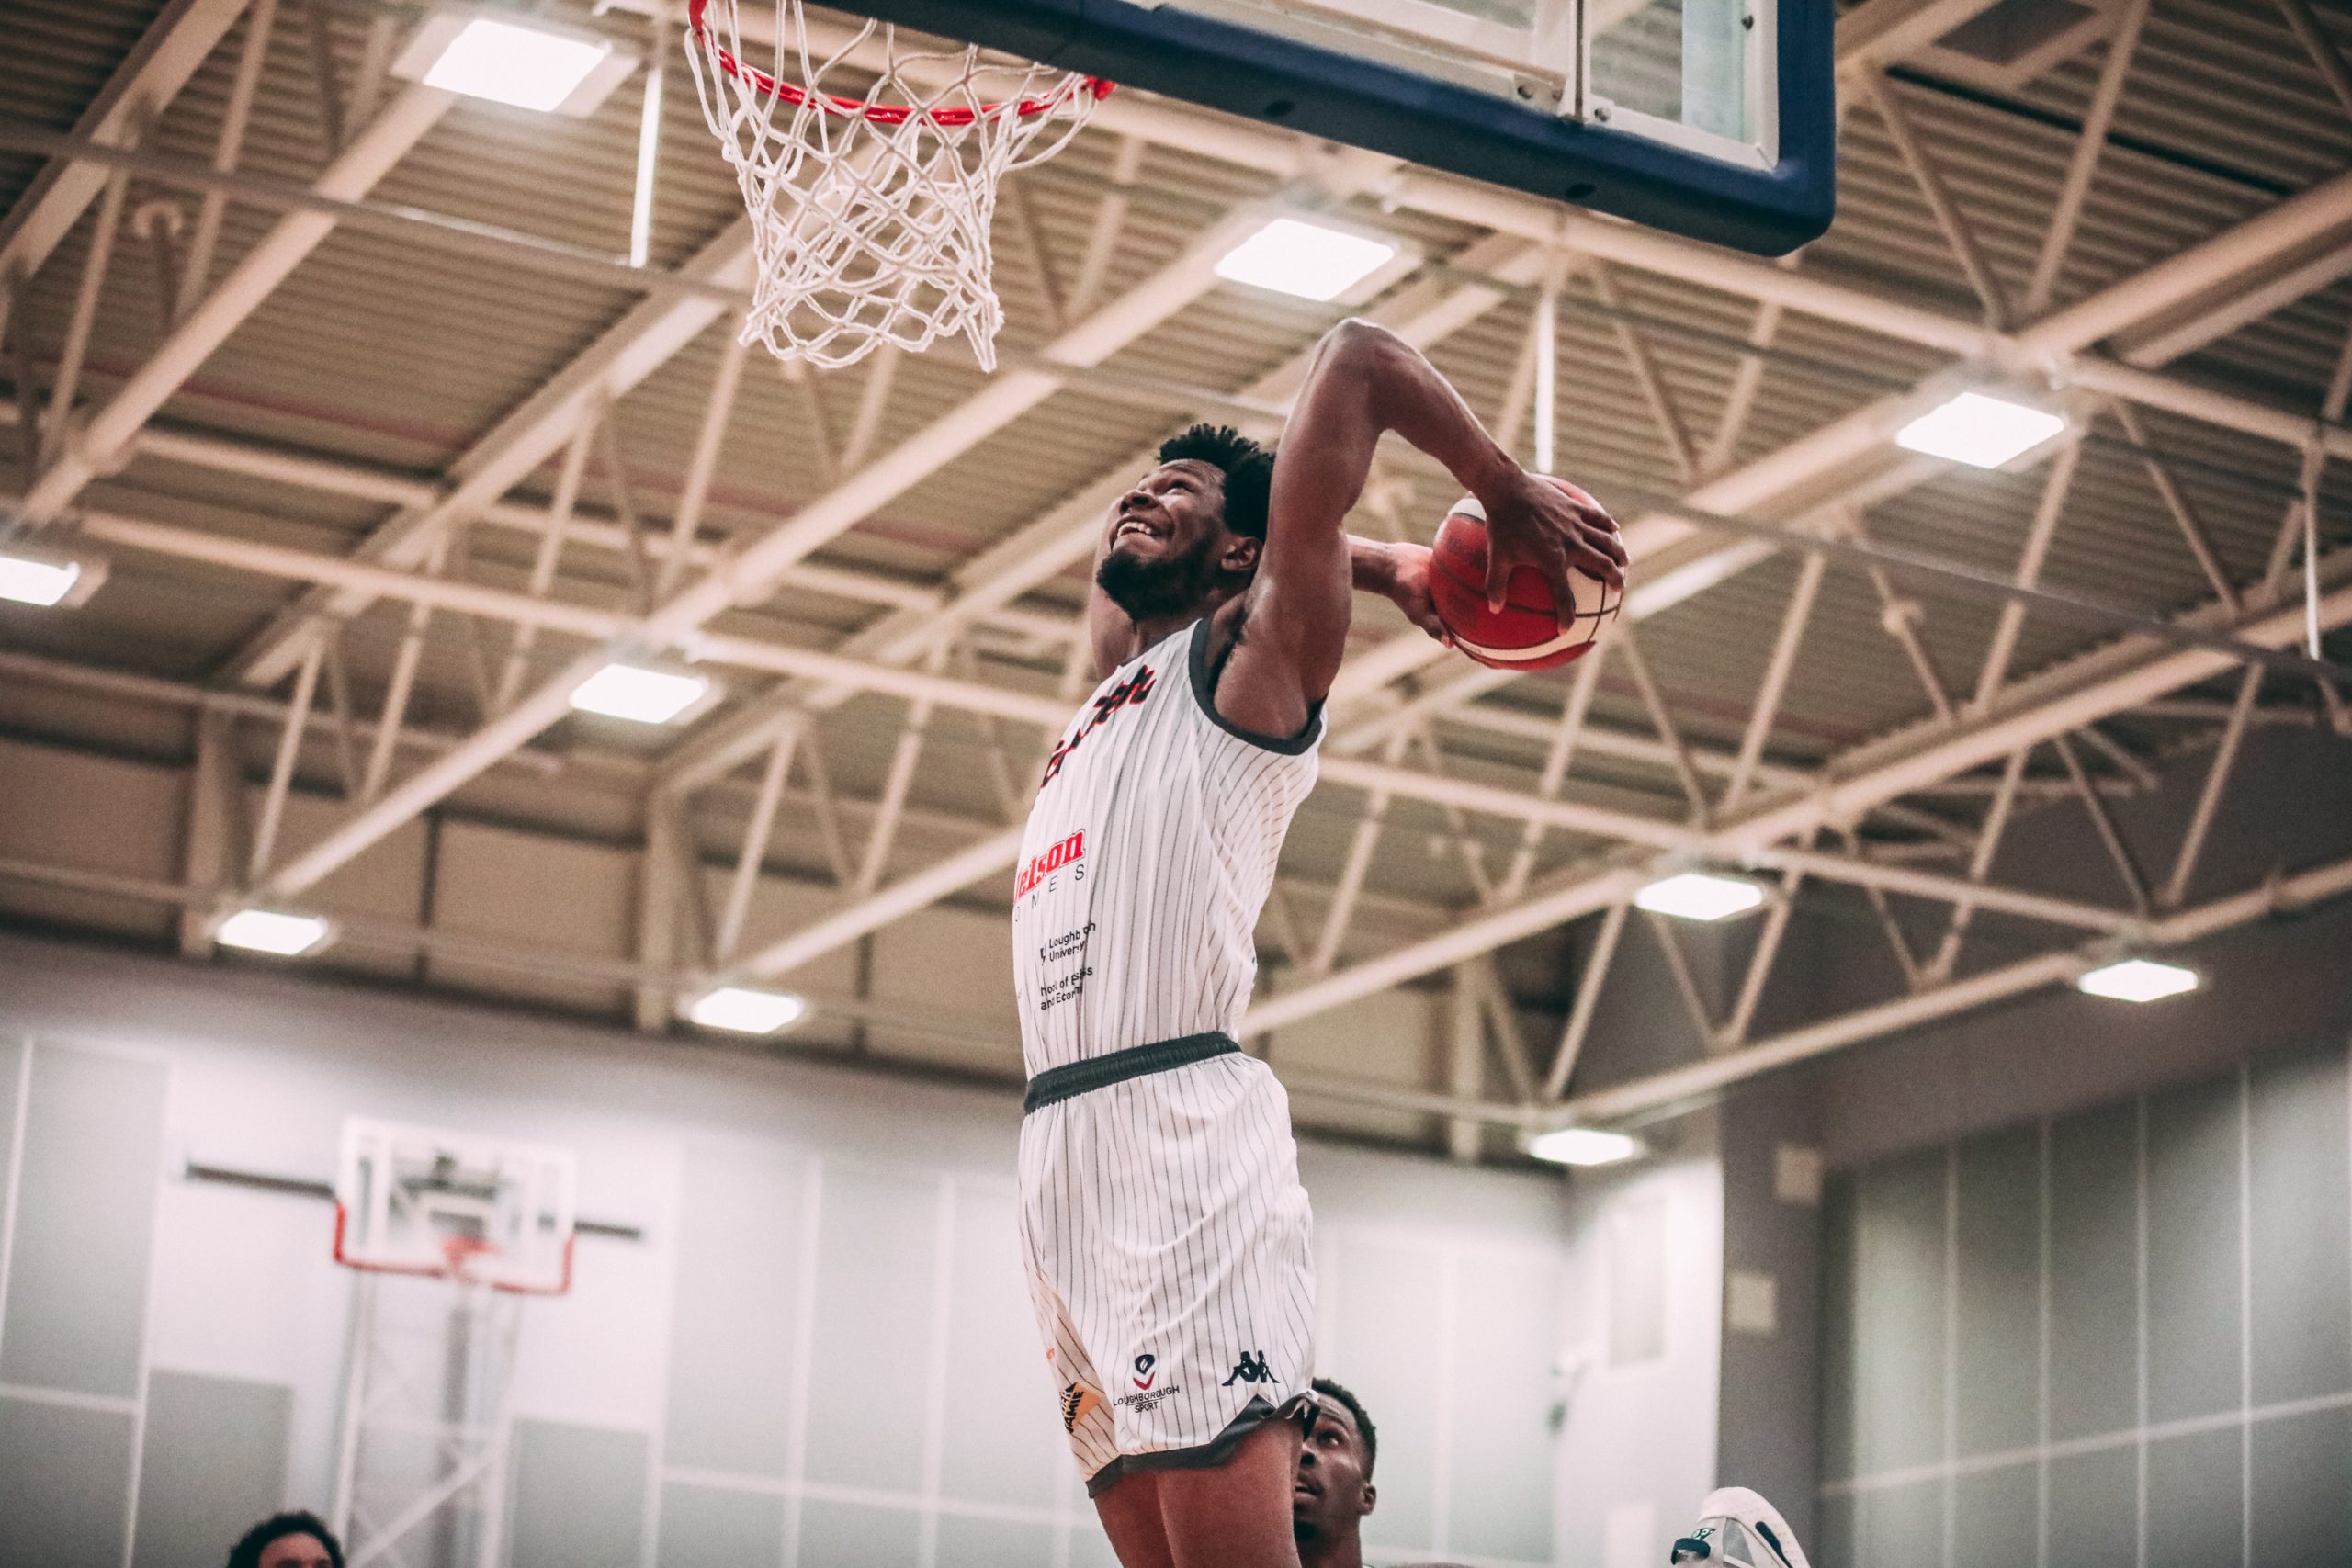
point(1078, 1400)
point(1130, 692)
point(1253, 1368)
point(1144, 1373)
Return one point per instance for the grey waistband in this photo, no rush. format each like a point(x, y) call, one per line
point(1137, 1061)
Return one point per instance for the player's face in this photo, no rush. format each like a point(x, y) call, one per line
point(1166, 541)
point(1168, 512)
point(1329, 1492)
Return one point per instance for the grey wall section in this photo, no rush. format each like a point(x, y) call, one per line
point(211, 1460)
point(84, 1225)
point(64, 1485)
point(2300, 1141)
point(2150, 1313)
point(577, 1498)
point(15, 1059)
point(1768, 1407)
point(705, 1526)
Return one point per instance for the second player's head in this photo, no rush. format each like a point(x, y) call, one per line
point(1187, 535)
point(1334, 1490)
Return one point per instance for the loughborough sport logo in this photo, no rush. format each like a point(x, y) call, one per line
point(1146, 1398)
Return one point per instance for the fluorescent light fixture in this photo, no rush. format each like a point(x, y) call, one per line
point(1312, 261)
point(642, 696)
point(743, 1010)
point(1980, 430)
point(1584, 1145)
point(272, 932)
point(2138, 980)
point(42, 578)
point(529, 66)
point(1700, 896)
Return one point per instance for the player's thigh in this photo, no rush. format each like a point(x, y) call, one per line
point(1130, 1510)
point(1238, 1513)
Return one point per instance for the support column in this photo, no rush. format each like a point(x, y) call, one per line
point(657, 908)
point(208, 843)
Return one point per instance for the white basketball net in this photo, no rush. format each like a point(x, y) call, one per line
point(871, 207)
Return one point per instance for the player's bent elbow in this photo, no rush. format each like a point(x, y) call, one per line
point(1359, 339)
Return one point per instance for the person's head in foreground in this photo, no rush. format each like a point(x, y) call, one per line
point(1187, 535)
point(288, 1540)
point(1333, 1491)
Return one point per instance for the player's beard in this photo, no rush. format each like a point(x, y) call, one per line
point(1150, 591)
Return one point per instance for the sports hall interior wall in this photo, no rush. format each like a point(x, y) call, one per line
point(2121, 1335)
point(865, 1377)
point(2274, 1009)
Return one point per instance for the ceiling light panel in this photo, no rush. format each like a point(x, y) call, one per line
point(743, 1009)
point(1700, 896)
point(639, 694)
point(1311, 260)
point(1980, 430)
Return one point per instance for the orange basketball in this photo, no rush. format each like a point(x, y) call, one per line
point(1527, 632)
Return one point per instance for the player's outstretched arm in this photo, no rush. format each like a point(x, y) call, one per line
point(1364, 382)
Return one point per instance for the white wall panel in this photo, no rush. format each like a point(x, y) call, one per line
point(76, 1305)
point(1002, 1443)
point(872, 1364)
point(1390, 1321)
point(732, 1374)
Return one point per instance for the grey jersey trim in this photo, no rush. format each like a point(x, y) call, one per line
point(1205, 692)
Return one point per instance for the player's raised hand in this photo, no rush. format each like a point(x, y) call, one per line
point(1551, 527)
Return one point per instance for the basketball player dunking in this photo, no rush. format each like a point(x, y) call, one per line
point(1167, 1235)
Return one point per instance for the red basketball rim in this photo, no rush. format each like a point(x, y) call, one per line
point(880, 114)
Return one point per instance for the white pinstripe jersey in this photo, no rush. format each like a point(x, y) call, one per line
point(1148, 856)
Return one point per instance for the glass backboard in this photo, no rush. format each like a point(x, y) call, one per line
point(1709, 118)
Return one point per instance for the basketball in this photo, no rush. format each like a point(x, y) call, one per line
point(1528, 632)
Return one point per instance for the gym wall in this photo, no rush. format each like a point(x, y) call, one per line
point(2121, 1335)
point(819, 1353)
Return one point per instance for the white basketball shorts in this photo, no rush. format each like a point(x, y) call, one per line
point(1171, 1253)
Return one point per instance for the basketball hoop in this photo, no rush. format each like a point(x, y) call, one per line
point(870, 212)
point(443, 1205)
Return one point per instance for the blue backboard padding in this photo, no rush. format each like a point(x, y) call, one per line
point(1436, 123)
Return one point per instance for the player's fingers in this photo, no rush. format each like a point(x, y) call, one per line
point(1499, 567)
point(1600, 552)
point(1592, 563)
point(1613, 541)
point(1564, 590)
point(1606, 537)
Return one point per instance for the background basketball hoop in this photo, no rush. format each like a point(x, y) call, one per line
point(449, 1205)
point(871, 209)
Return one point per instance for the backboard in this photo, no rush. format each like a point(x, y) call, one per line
point(421, 1200)
point(1713, 118)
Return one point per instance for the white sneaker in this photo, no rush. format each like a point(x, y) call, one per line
point(1737, 1528)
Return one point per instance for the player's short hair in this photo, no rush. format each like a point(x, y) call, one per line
point(247, 1553)
point(1339, 1395)
point(1248, 468)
